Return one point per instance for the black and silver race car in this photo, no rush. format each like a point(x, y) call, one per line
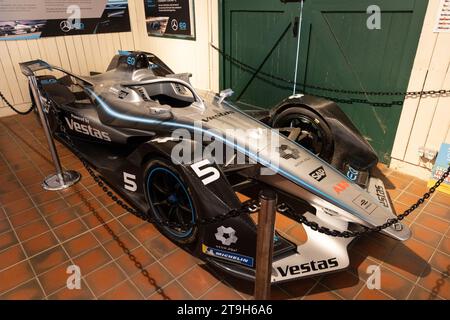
point(180, 154)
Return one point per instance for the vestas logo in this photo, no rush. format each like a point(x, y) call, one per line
point(308, 267)
point(87, 130)
point(219, 115)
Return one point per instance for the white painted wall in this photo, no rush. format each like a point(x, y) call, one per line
point(82, 54)
point(425, 121)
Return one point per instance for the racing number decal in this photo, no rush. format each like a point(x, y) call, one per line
point(129, 181)
point(213, 173)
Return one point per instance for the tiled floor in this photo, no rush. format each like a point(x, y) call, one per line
point(42, 233)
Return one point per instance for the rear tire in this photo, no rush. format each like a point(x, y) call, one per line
point(169, 197)
point(319, 139)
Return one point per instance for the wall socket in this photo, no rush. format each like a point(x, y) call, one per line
point(427, 154)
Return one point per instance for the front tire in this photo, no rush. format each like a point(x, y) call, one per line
point(170, 199)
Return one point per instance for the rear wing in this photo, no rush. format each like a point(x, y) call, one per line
point(29, 69)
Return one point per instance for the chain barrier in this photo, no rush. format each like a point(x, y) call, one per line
point(14, 109)
point(250, 206)
point(251, 69)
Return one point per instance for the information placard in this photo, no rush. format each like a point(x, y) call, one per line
point(170, 18)
point(443, 17)
point(32, 19)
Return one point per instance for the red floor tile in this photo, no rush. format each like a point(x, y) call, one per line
point(345, 284)
point(27, 291)
point(7, 240)
point(420, 293)
point(173, 291)
point(372, 294)
point(124, 291)
point(39, 244)
point(445, 245)
point(160, 246)
point(437, 282)
point(157, 273)
point(320, 292)
point(426, 235)
point(11, 256)
point(15, 275)
point(105, 278)
point(73, 294)
point(70, 230)
point(36, 215)
point(80, 244)
point(55, 279)
point(143, 258)
point(432, 223)
point(198, 281)
point(395, 285)
point(92, 260)
point(49, 259)
point(178, 262)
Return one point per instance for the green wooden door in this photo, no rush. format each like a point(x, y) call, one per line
point(338, 51)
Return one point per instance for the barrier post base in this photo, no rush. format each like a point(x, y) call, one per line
point(56, 182)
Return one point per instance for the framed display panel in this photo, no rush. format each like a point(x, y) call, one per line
point(170, 19)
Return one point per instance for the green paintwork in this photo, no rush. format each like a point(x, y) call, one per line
point(337, 51)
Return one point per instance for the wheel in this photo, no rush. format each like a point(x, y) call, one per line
point(170, 200)
point(314, 134)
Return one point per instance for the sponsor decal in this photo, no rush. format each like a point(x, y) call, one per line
point(308, 267)
point(48, 81)
point(226, 235)
point(86, 129)
point(226, 255)
point(123, 94)
point(287, 152)
point(319, 174)
point(302, 161)
point(341, 186)
point(216, 116)
point(381, 195)
point(352, 174)
point(365, 204)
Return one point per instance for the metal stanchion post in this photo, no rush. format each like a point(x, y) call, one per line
point(61, 179)
point(264, 244)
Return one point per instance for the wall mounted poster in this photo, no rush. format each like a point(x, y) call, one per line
point(32, 19)
point(170, 18)
point(440, 166)
point(443, 17)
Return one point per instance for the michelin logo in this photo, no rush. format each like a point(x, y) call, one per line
point(230, 256)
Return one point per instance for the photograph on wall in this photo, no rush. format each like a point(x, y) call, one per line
point(170, 18)
point(62, 18)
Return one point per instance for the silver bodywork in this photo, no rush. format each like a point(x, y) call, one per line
point(337, 200)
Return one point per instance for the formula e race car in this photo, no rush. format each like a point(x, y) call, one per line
point(180, 155)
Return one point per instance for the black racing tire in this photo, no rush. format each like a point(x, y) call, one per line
point(322, 143)
point(170, 198)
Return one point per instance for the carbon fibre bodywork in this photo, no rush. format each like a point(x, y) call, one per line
point(140, 110)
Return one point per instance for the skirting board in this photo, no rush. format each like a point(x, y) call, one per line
point(411, 169)
point(6, 111)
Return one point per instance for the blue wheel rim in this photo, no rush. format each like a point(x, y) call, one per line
point(170, 200)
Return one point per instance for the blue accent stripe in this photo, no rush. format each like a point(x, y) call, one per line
point(230, 256)
point(124, 53)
